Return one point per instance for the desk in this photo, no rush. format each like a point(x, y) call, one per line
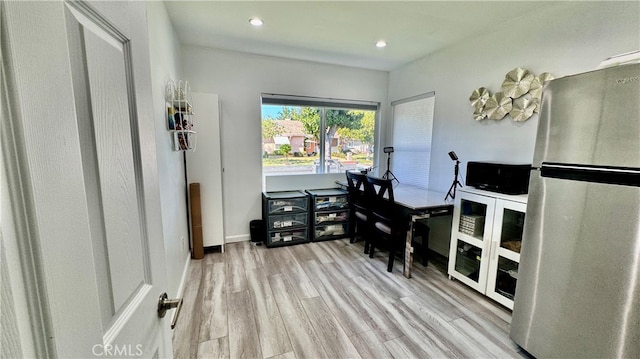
point(420, 204)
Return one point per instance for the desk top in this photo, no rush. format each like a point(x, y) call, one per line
point(415, 198)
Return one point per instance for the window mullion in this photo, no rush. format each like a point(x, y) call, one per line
point(321, 140)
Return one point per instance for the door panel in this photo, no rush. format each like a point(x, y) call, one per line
point(84, 134)
point(123, 241)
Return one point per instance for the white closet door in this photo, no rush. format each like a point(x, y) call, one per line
point(204, 166)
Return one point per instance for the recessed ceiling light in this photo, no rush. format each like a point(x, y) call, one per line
point(256, 21)
point(381, 43)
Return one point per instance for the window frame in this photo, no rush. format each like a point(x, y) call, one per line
point(322, 104)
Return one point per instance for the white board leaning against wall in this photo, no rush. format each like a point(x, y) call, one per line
point(412, 129)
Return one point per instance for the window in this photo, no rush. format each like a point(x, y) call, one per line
point(303, 135)
point(412, 126)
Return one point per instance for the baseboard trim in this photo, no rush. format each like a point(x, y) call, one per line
point(238, 238)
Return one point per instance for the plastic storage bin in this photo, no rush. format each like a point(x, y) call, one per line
point(286, 215)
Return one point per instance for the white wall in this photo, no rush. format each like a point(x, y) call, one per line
point(568, 38)
point(165, 64)
point(239, 79)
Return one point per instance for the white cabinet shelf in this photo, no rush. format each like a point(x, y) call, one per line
point(485, 242)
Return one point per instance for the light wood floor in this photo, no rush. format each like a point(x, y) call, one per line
point(329, 300)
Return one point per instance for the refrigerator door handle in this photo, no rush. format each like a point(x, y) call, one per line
point(590, 173)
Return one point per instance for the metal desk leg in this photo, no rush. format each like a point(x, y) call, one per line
point(423, 230)
point(425, 247)
point(408, 251)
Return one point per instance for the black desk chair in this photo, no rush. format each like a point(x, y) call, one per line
point(358, 221)
point(388, 222)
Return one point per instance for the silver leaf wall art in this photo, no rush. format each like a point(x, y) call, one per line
point(519, 98)
point(497, 106)
point(478, 100)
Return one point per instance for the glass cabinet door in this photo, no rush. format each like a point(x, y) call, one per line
point(511, 229)
point(471, 236)
point(506, 278)
point(467, 260)
point(505, 251)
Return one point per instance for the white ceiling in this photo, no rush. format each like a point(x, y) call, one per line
point(343, 32)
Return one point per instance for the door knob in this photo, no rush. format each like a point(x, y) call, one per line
point(164, 304)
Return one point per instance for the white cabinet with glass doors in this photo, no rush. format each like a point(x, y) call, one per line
point(485, 242)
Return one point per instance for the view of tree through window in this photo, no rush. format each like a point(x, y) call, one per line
point(305, 140)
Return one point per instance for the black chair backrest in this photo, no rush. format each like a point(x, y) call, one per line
point(356, 181)
point(380, 187)
point(383, 203)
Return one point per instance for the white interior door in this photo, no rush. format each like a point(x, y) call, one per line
point(79, 86)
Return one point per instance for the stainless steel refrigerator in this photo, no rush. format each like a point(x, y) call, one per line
point(578, 289)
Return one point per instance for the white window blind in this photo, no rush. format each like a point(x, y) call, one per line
point(412, 128)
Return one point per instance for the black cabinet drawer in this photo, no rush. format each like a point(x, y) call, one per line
point(290, 205)
point(288, 220)
point(331, 203)
point(329, 217)
point(284, 238)
point(331, 231)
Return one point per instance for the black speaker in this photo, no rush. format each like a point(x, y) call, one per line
point(257, 231)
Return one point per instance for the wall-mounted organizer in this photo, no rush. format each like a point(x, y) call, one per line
point(180, 116)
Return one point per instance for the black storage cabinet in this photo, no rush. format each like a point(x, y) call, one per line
point(286, 218)
point(329, 214)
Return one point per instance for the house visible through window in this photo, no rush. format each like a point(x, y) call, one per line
point(309, 135)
